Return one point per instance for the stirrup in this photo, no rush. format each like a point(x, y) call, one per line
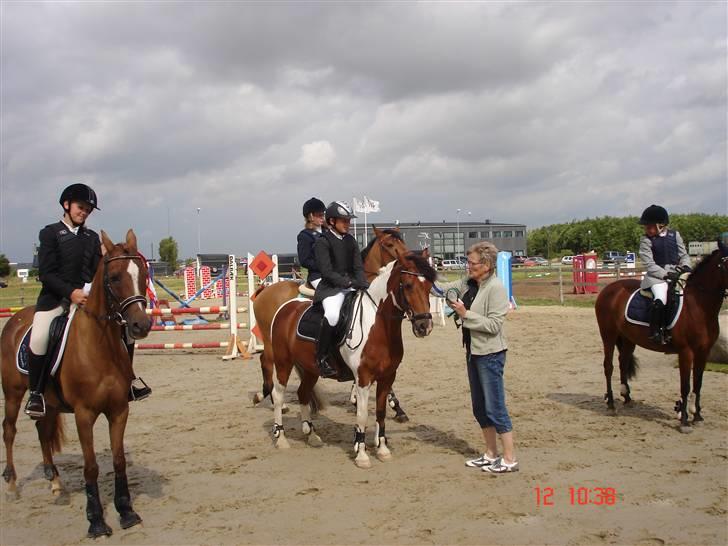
point(137, 394)
point(35, 413)
point(325, 369)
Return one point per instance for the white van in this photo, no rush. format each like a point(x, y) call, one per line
point(452, 264)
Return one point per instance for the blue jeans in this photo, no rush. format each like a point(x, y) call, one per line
point(487, 393)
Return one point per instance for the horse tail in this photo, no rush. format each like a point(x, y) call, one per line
point(58, 435)
point(632, 365)
point(318, 401)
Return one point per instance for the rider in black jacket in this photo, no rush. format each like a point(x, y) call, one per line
point(339, 261)
point(68, 256)
point(313, 212)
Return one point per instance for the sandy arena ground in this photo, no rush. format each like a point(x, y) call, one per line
point(203, 470)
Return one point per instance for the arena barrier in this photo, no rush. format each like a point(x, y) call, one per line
point(234, 346)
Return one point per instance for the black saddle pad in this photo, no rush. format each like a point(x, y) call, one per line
point(57, 329)
point(638, 309)
point(310, 322)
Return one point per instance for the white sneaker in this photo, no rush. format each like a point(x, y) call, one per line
point(481, 462)
point(501, 467)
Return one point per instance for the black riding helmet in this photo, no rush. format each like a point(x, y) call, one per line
point(339, 209)
point(313, 206)
point(654, 214)
point(79, 192)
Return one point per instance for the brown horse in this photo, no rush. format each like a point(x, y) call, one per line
point(94, 378)
point(382, 249)
point(692, 336)
point(373, 351)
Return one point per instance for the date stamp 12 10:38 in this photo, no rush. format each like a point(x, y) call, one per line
point(578, 496)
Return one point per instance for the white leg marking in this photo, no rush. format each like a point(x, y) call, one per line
point(362, 400)
point(279, 435)
point(691, 403)
point(383, 453)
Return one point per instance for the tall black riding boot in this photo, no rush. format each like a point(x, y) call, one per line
point(657, 320)
point(35, 407)
point(323, 348)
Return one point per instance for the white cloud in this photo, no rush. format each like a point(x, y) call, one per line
point(317, 156)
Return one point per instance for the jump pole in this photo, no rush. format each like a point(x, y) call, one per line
point(235, 346)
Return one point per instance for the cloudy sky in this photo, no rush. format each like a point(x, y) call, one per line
point(518, 112)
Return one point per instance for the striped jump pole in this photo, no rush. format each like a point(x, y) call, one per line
point(10, 310)
point(214, 345)
point(183, 327)
point(165, 311)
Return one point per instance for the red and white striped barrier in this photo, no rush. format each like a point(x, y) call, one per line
point(164, 311)
point(215, 345)
point(182, 327)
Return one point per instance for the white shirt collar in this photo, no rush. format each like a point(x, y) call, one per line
point(73, 230)
point(336, 234)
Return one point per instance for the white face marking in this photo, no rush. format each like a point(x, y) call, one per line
point(133, 270)
point(420, 278)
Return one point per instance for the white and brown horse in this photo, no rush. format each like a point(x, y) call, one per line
point(373, 352)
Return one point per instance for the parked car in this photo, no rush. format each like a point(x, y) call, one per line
point(567, 260)
point(536, 261)
point(612, 256)
point(452, 264)
point(518, 260)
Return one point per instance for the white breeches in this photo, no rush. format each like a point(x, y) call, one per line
point(660, 292)
point(41, 330)
point(332, 307)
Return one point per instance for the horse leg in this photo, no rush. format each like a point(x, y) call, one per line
point(400, 416)
point(13, 399)
point(122, 499)
point(698, 369)
point(686, 361)
point(608, 370)
point(362, 399)
point(85, 420)
point(305, 391)
point(266, 369)
point(279, 434)
point(46, 428)
point(384, 386)
point(627, 368)
point(352, 395)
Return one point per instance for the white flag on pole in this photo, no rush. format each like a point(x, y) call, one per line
point(371, 205)
point(357, 205)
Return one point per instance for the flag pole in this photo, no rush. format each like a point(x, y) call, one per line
point(353, 207)
point(366, 228)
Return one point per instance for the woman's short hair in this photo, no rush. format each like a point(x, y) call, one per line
point(485, 252)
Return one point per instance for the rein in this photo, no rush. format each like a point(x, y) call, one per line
point(117, 308)
point(406, 308)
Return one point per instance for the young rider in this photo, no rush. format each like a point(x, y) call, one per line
point(339, 261)
point(663, 254)
point(68, 256)
point(314, 213)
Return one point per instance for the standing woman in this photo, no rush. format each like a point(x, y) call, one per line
point(313, 212)
point(481, 306)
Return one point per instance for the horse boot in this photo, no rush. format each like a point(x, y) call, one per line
point(35, 407)
point(323, 348)
point(657, 315)
point(139, 390)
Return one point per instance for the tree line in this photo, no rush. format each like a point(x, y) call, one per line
point(613, 233)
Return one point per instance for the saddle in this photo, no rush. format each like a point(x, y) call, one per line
point(310, 323)
point(637, 310)
point(58, 333)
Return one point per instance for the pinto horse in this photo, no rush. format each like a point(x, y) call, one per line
point(692, 336)
point(94, 378)
point(373, 352)
point(382, 249)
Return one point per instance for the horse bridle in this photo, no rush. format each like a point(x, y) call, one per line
point(118, 308)
point(404, 305)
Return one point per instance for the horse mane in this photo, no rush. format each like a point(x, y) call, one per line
point(388, 231)
point(423, 266)
point(702, 264)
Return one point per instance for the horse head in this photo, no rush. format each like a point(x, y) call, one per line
point(711, 273)
point(410, 284)
point(125, 284)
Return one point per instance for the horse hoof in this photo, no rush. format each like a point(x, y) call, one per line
point(285, 409)
point(99, 529)
point(282, 443)
point(130, 519)
point(363, 463)
point(314, 440)
point(401, 418)
point(385, 456)
point(698, 420)
point(257, 398)
point(686, 429)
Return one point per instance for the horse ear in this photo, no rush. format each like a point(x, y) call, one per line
point(426, 252)
point(377, 231)
point(131, 240)
point(106, 242)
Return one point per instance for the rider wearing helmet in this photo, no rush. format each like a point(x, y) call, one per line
point(339, 261)
point(68, 256)
point(663, 254)
point(314, 213)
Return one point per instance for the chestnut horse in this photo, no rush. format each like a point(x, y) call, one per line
point(373, 351)
point(692, 336)
point(382, 249)
point(94, 378)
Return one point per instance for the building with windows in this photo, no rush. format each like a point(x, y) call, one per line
point(448, 240)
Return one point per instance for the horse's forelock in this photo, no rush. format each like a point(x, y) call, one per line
point(423, 266)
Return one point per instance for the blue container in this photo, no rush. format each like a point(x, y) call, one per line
point(503, 270)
